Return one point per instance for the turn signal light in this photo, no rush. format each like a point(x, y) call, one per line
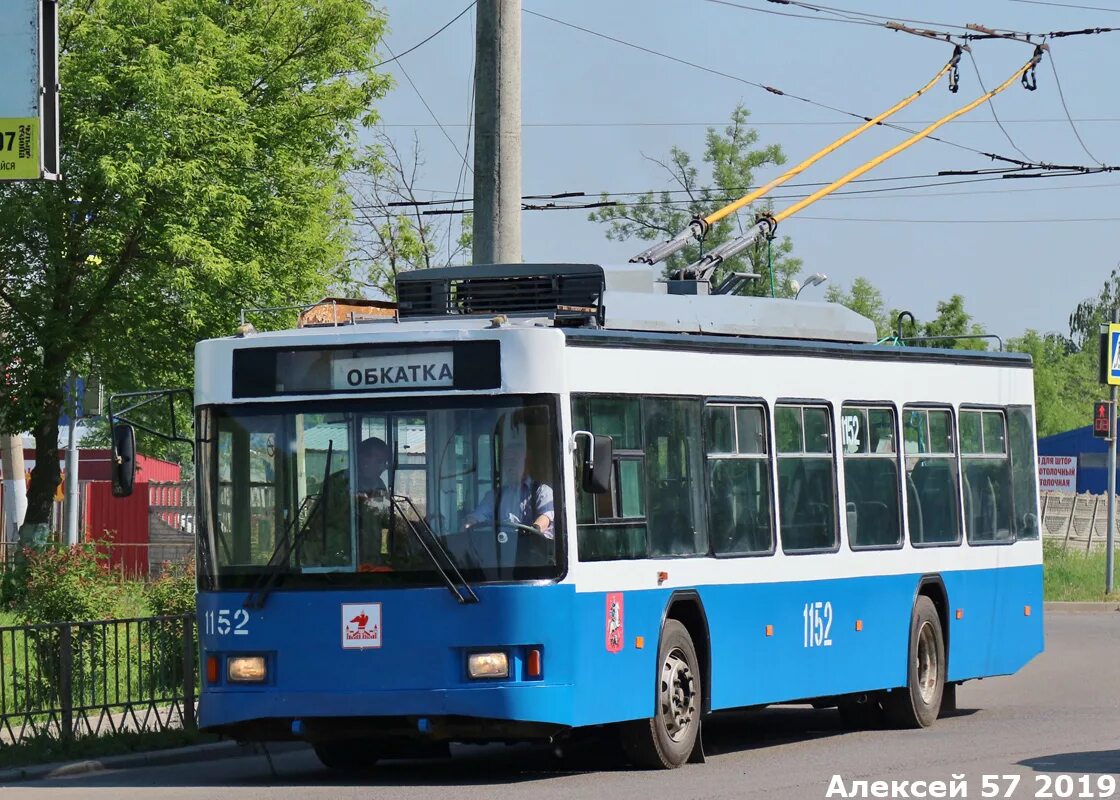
point(211, 669)
point(533, 664)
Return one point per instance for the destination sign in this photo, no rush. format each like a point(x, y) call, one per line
point(367, 368)
point(431, 370)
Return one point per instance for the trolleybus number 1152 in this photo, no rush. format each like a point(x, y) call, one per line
point(816, 624)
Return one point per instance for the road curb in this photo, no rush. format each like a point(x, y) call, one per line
point(152, 758)
point(1081, 608)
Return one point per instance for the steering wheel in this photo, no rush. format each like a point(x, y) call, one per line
point(497, 525)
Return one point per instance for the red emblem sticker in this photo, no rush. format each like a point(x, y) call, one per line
point(361, 625)
point(614, 622)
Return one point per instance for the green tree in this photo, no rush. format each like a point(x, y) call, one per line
point(1065, 380)
point(953, 320)
point(732, 159)
point(863, 298)
point(204, 144)
point(1092, 312)
point(396, 234)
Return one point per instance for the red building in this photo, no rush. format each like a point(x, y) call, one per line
point(123, 526)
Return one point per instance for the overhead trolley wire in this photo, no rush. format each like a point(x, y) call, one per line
point(770, 89)
point(1066, 5)
point(435, 119)
point(767, 223)
point(698, 226)
point(424, 41)
point(992, 108)
point(1065, 108)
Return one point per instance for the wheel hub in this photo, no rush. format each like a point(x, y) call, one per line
point(677, 695)
point(927, 663)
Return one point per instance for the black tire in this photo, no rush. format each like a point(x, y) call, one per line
point(666, 740)
point(917, 704)
point(347, 755)
point(862, 715)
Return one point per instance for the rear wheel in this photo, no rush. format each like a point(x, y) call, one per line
point(917, 704)
point(666, 740)
point(347, 755)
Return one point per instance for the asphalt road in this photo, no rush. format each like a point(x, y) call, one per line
point(1059, 716)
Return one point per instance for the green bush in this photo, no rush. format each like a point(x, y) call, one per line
point(173, 591)
point(171, 594)
point(65, 584)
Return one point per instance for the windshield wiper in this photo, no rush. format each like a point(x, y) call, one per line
point(289, 544)
point(456, 583)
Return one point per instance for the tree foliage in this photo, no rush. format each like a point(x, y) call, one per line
point(1065, 380)
point(863, 298)
point(731, 158)
point(203, 148)
point(395, 235)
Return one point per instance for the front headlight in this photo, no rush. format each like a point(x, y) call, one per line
point(488, 665)
point(246, 669)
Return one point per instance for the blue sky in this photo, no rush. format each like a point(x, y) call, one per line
point(592, 108)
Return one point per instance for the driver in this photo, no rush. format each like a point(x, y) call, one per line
point(523, 500)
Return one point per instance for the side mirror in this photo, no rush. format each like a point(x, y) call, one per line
point(597, 462)
point(123, 462)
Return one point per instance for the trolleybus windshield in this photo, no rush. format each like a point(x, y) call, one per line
point(332, 494)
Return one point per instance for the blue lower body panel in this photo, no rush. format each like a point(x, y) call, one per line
point(769, 643)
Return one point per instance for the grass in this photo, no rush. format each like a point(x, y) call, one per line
point(1074, 575)
point(45, 749)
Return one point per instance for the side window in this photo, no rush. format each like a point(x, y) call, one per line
point(871, 487)
point(931, 476)
point(1024, 481)
point(612, 526)
point(740, 520)
point(673, 477)
point(986, 476)
point(806, 484)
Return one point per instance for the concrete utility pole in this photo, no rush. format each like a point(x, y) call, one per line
point(497, 140)
point(15, 489)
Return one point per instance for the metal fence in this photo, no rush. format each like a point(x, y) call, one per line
point(73, 679)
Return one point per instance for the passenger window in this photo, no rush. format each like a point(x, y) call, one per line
point(673, 470)
point(871, 485)
point(739, 512)
point(612, 526)
point(986, 477)
point(931, 476)
point(806, 481)
point(655, 498)
point(1024, 484)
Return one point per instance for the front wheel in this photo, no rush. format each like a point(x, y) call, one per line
point(917, 704)
point(666, 740)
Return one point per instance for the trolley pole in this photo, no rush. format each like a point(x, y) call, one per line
point(1110, 538)
point(497, 143)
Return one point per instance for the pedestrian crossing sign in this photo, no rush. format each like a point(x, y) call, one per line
point(1113, 342)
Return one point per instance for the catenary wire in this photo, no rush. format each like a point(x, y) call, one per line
point(754, 123)
point(1066, 5)
point(771, 89)
point(992, 107)
point(1065, 108)
point(424, 41)
point(439, 124)
point(467, 145)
